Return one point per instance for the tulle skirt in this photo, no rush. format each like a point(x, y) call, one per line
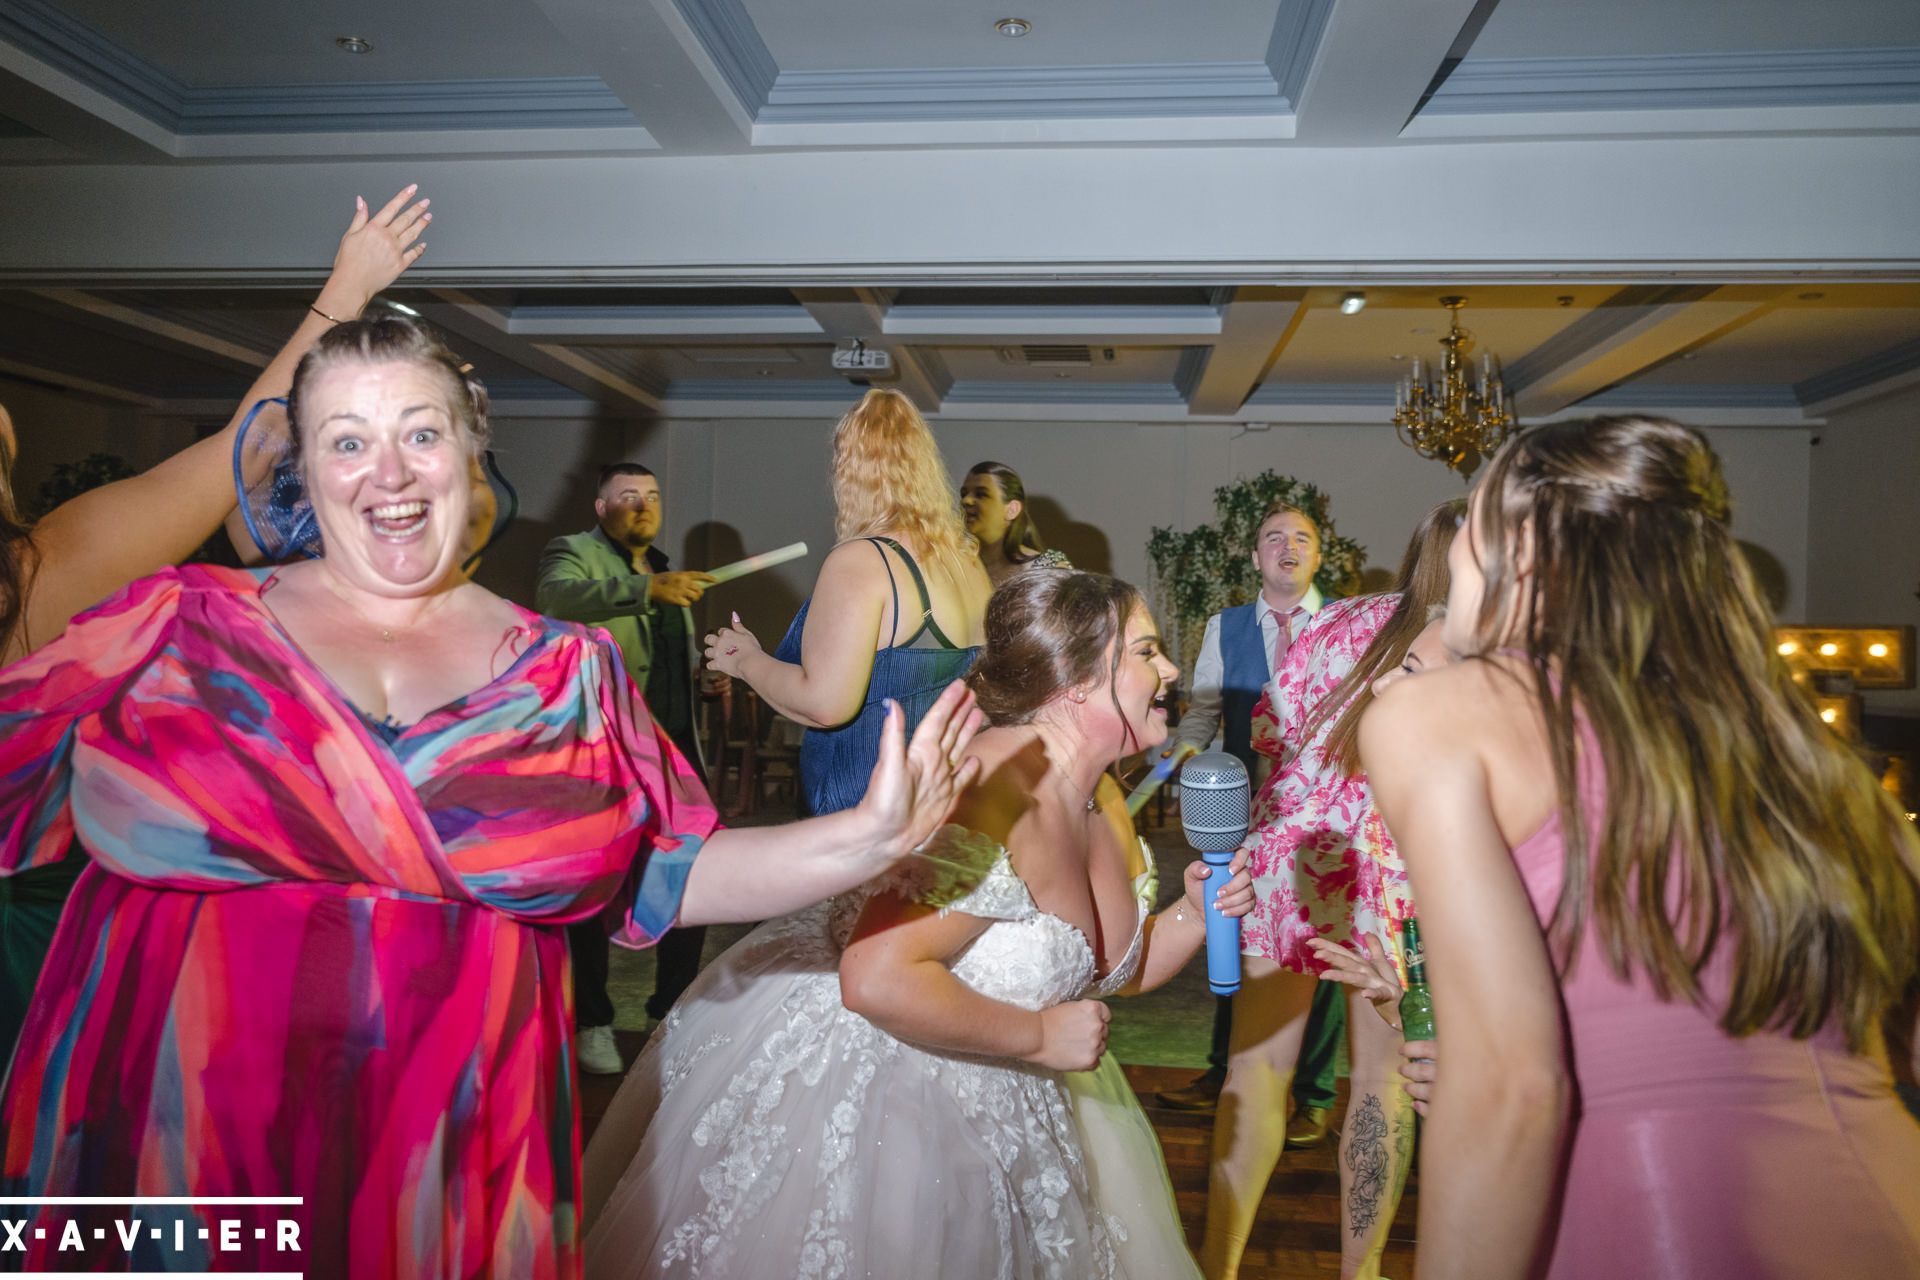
point(768, 1132)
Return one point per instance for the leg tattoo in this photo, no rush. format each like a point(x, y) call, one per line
point(1367, 1158)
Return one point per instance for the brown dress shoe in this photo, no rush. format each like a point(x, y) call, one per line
point(1308, 1128)
point(1203, 1094)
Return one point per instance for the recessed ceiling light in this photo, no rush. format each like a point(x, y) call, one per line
point(1013, 28)
point(354, 44)
point(1353, 304)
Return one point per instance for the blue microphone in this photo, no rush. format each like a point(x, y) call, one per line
point(1215, 798)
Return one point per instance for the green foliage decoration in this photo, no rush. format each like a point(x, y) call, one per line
point(71, 479)
point(1209, 568)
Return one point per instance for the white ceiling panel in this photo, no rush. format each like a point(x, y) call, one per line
point(1010, 364)
point(1793, 343)
point(1627, 28)
point(216, 43)
point(835, 35)
point(1400, 325)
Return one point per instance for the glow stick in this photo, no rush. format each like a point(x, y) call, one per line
point(753, 564)
point(1158, 778)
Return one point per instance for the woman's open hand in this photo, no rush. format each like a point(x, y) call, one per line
point(1235, 896)
point(914, 783)
point(376, 248)
point(1371, 973)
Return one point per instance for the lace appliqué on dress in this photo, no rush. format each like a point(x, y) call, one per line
point(961, 870)
point(1011, 1122)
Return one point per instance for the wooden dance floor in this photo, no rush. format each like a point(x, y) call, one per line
point(1298, 1231)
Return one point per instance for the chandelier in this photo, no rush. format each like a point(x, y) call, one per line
point(1457, 422)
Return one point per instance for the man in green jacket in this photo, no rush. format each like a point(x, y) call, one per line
point(613, 576)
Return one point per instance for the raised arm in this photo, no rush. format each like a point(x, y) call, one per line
point(1499, 1111)
point(84, 546)
point(768, 871)
point(1171, 936)
point(828, 685)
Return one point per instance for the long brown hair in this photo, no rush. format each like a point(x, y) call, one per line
point(1048, 630)
point(1422, 583)
point(1733, 815)
point(1022, 532)
point(888, 475)
point(16, 550)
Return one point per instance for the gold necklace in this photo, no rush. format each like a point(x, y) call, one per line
point(387, 634)
point(1093, 801)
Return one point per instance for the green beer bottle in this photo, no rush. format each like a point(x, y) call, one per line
point(1416, 1003)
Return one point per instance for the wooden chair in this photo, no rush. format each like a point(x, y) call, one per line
point(751, 746)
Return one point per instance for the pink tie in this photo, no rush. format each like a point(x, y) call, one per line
point(1282, 638)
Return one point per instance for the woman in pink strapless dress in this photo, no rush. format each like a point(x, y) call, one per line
point(1694, 1090)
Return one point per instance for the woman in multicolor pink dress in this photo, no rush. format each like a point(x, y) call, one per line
point(337, 815)
point(1324, 867)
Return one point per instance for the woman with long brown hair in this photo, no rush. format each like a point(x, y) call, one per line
point(896, 612)
point(1651, 881)
point(993, 501)
point(1324, 867)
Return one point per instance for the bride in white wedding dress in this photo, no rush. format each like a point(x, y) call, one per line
point(880, 1086)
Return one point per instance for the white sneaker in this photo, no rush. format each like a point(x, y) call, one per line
point(597, 1053)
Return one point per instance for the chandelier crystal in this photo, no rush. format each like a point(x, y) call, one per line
point(1458, 422)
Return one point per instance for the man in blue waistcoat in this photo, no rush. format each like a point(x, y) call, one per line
point(1242, 651)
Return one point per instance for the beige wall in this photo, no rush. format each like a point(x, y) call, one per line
point(1099, 488)
point(57, 426)
point(1864, 530)
point(735, 487)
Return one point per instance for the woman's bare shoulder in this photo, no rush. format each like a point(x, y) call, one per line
point(1457, 702)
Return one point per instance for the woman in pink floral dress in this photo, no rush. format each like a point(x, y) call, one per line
point(1324, 867)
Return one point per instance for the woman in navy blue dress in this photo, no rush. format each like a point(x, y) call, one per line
point(896, 612)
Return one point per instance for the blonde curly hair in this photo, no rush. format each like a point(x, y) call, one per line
point(888, 476)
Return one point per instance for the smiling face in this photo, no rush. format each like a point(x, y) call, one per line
point(629, 510)
point(1140, 686)
point(1286, 551)
point(985, 508)
point(389, 470)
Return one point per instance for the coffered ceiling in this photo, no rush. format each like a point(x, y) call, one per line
point(228, 108)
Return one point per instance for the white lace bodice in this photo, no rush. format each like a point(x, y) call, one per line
point(1026, 957)
point(782, 1109)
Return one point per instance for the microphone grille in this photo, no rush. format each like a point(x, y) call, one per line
point(1214, 795)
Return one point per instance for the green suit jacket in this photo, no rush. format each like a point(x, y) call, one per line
point(584, 577)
